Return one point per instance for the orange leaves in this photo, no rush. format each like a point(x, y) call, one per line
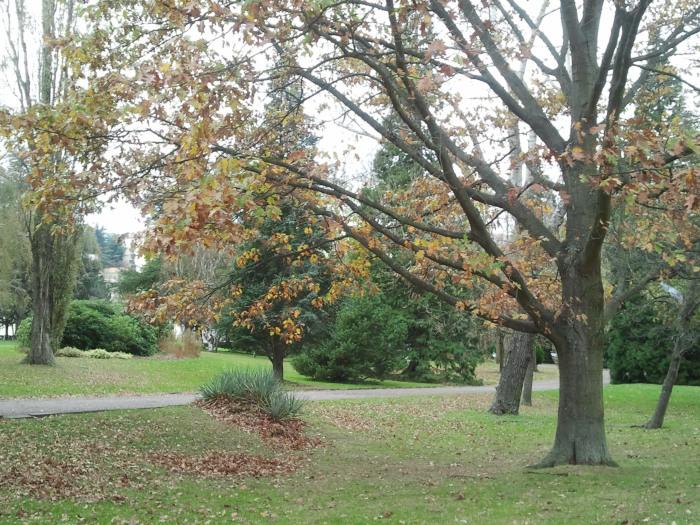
point(436, 48)
point(185, 302)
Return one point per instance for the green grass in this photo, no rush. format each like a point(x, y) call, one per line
point(151, 375)
point(431, 460)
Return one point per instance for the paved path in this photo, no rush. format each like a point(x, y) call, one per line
point(37, 407)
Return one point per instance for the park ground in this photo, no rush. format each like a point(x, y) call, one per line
point(432, 460)
point(76, 376)
point(415, 460)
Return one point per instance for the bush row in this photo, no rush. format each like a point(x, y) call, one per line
point(96, 353)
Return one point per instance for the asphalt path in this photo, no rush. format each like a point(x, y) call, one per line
point(38, 407)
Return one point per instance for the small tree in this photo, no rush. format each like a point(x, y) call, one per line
point(279, 285)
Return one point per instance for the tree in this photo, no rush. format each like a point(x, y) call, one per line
point(111, 249)
point(661, 106)
point(279, 294)
point(90, 283)
point(14, 255)
point(47, 133)
point(686, 336)
point(354, 54)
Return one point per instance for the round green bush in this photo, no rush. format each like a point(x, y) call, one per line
point(101, 325)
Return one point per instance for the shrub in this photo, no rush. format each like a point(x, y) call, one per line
point(456, 362)
point(130, 335)
point(69, 351)
point(640, 345)
point(188, 344)
point(539, 355)
point(98, 353)
point(120, 355)
point(24, 333)
point(255, 387)
point(99, 324)
point(367, 342)
point(283, 405)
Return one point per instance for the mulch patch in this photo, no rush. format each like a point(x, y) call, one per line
point(287, 434)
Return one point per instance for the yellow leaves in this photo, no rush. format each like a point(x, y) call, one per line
point(228, 165)
point(578, 153)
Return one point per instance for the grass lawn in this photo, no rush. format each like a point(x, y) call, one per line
point(428, 460)
point(116, 376)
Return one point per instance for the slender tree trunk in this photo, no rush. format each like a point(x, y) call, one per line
point(7, 332)
point(529, 376)
point(500, 350)
point(657, 419)
point(510, 384)
point(685, 339)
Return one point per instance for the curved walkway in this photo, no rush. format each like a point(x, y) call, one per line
point(38, 407)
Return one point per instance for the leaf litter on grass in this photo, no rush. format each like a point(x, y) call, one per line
point(287, 434)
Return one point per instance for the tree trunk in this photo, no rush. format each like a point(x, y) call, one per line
point(657, 419)
point(40, 351)
point(7, 332)
point(510, 384)
point(580, 436)
point(500, 350)
point(529, 376)
point(685, 339)
point(276, 355)
point(64, 262)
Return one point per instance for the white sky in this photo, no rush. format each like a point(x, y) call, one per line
point(119, 217)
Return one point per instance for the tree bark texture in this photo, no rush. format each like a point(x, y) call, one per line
point(580, 435)
point(500, 351)
point(40, 351)
point(276, 354)
point(54, 268)
point(510, 384)
point(529, 376)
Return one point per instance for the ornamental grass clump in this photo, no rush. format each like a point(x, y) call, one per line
point(255, 388)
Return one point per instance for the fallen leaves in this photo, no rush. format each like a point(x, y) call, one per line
point(223, 464)
point(288, 434)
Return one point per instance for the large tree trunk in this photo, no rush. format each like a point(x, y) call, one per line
point(40, 351)
point(510, 384)
point(529, 377)
point(580, 436)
